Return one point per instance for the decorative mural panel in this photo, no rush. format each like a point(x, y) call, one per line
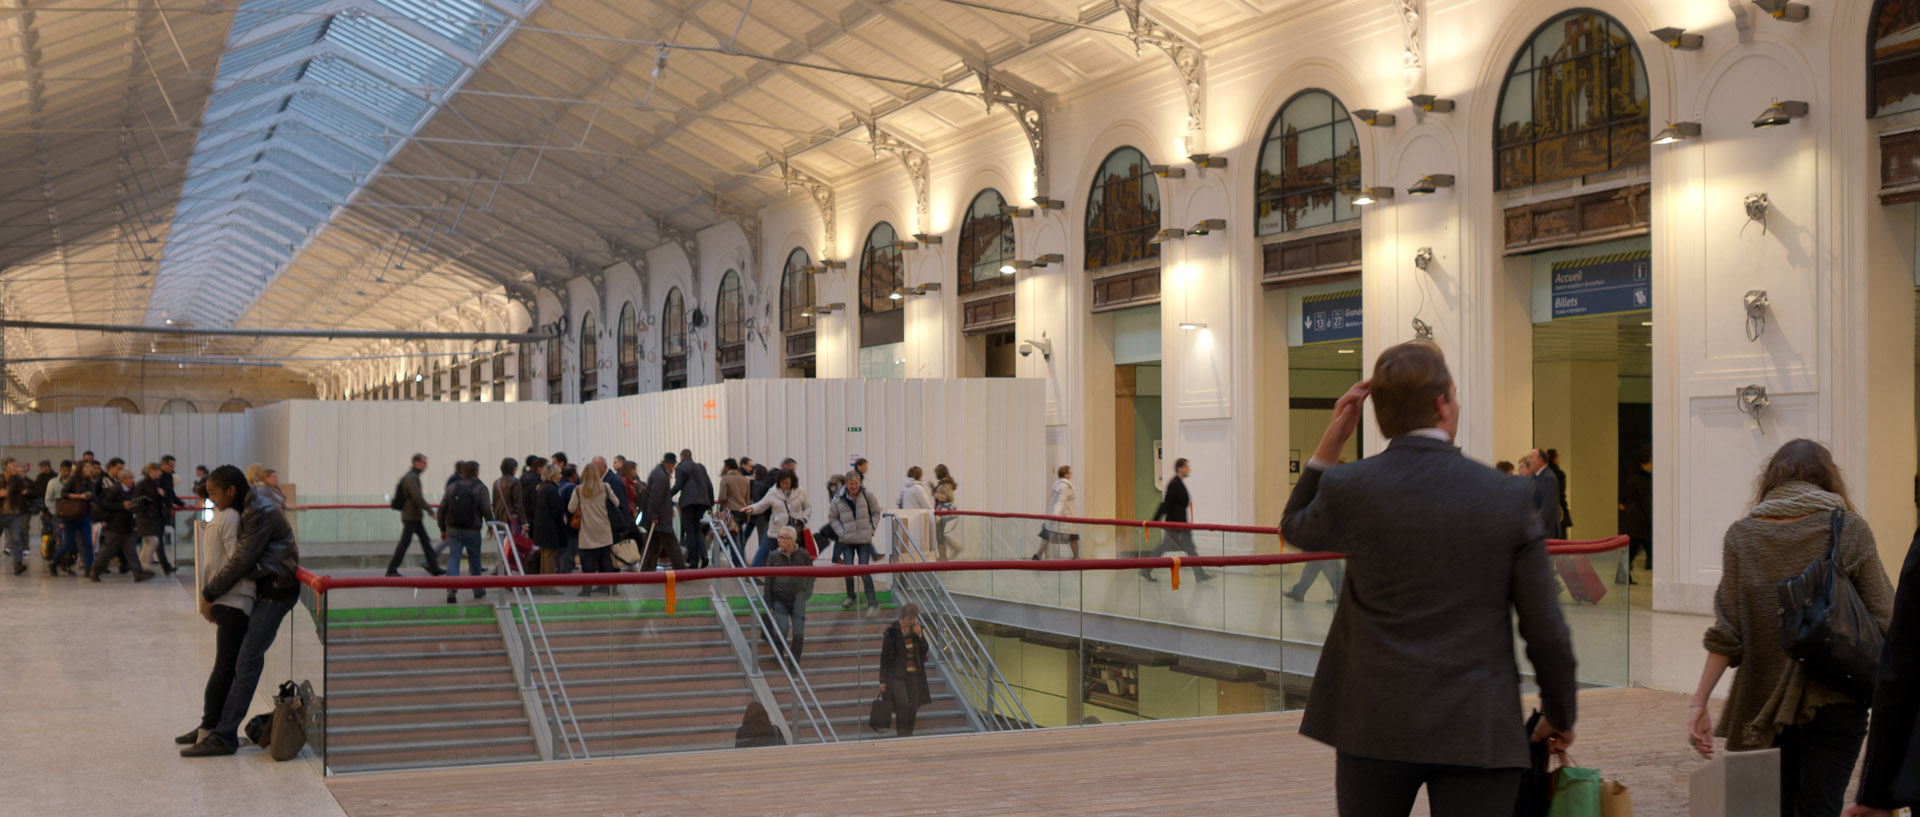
point(796, 293)
point(1894, 67)
point(880, 270)
point(1309, 166)
point(1575, 103)
point(1123, 211)
point(986, 244)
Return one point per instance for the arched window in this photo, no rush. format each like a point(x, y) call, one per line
point(499, 371)
point(880, 278)
point(179, 406)
point(589, 358)
point(1309, 166)
point(1893, 69)
point(439, 378)
point(986, 244)
point(476, 376)
point(673, 341)
point(1123, 211)
point(124, 405)
point(796, 312)
point(629, 351)
point(556, 392)
point(730, 328)
point(1575, 103)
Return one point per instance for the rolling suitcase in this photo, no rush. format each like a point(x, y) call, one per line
point(1583, 583)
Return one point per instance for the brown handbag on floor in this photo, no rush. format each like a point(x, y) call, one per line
point(289, 732)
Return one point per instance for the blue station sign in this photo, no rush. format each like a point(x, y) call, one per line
point(1603, 286)
point(1330, 317)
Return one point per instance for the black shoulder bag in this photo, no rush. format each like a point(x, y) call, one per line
point(1825, 626)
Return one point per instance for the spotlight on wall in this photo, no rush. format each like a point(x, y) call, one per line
point(417, 377)
point(1677, 38)
point(1423, 259)
point(1206, 160)
point(1783, 10)
point(1016, 212)
point(1168, 171)
point(1049, 258)
point(1192, 325)
point(927, 239)
point(1374, 117)
point(1205, 226)
point(824, 265)
point(1044, 203)
point(896, 294)
point(903, 246)
point(1677, 132)
point(1372, 195)
point(823, 309)
point(1431, 103)
point(930, 286)
point(1014, 266)
point(1780, 113)
point(1164, 236)
point(1428, 184)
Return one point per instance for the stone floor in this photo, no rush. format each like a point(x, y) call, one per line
point(99, 678)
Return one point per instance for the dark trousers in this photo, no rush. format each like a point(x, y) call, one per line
point(231, 626)
point(858, 553)
point(75, 533)
point(1180, 540)
point(262, 627)
point(905, 711)
point(659, 542)
point(117, 543)
point(1816, 760)
point(1366, 787)
point(15, 525)
point(596, 560)
point(693, 535)
point(408, 530)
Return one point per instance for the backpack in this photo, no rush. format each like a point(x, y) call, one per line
point(399, 495)
point(463, 508)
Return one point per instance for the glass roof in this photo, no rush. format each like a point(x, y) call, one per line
point(311, 100)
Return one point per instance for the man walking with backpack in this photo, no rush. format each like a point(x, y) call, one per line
point(463, 510)
point(412, 505)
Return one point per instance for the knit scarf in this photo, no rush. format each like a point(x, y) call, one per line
point(1791, 500)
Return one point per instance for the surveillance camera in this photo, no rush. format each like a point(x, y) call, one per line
point(1026, 350)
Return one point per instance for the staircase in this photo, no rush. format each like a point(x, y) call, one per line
point(841, 660)
point(422, 696)
point(648, 685)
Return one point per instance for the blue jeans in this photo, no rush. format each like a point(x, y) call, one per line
point(262, 627)
point(862, 552)
point(760, 556)
point(15, 524)
point(469, 541)
point(790, 617)
point(75, 532)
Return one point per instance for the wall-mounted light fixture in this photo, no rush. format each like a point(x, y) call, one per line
point(418, 377)
point(1206, 160)
point(1168, 171)
point(823, 309)
point(1423, 259)
point(1016, 212)
point(1431, 103)
point(1678, 39)
point(1428, 184)
point(1192, 325)
point(1422, 330)
point(1012, 267)
point(1374, 117)
point(1049, 204)
point(927, 239)
point(1170, 234)
point(1780, 113)
point(1677, 132)
point(903, 246)
point(825, 265)
point(897, 294)
point(1372, 195)
point(1205, 226)
point(930, 286)
point(1783, 10)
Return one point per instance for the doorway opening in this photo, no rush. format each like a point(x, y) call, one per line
point(1136, 412)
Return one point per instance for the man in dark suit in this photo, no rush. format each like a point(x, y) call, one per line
point(694, 490)
point(1417, 683)
point(1546, 492)
point(1173, 508)
point(658, 507)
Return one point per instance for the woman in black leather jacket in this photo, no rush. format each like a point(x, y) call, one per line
point(267, 554)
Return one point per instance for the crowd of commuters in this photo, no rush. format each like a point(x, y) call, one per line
point(93, 516)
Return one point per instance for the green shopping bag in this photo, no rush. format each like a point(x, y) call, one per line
point(1576, 791)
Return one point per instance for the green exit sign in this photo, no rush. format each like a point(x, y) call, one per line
point(853, 429)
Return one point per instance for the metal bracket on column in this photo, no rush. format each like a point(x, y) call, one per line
point(687, 242)
point(912, 158)
point(1413, 61)
point(1187, 59)
point(821, 192)
point(592, 272)
point(747, 220)
point(620, 252)
point(1028, 106)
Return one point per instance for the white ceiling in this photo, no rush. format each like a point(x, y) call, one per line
point(347, 176)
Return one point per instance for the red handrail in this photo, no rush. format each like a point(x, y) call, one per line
point(1118, 523)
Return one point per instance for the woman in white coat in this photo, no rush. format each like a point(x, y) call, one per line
point(1060, 502)
point(914, 495)
point(787, 502)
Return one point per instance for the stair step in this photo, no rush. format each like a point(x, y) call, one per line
point(338, 638)
point(429, 763)
point(444, 746)
point(446, 690)
point(442, 732)
point(503, 707)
